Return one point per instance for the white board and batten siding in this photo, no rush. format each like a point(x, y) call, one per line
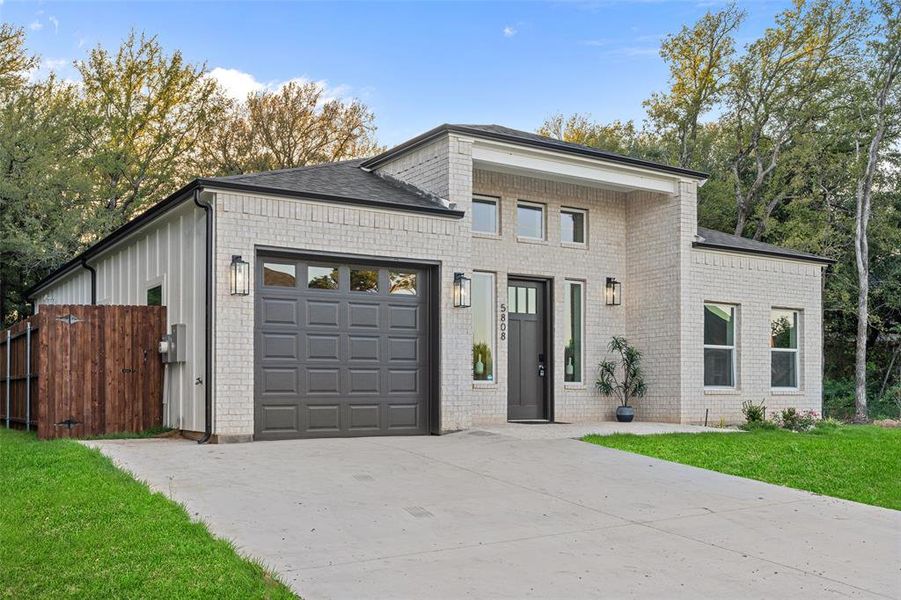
point(169, 251)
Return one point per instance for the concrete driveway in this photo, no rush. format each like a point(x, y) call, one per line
point(485, 515)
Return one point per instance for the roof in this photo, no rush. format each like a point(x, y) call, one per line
point(339, 181)
point(717, 240)
point(525, 138)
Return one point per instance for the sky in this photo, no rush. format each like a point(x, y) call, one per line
point(416, 65)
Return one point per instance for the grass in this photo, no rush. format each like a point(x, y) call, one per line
point(854, 462)
point(74, 526)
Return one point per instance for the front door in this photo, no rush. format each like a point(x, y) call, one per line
point(528, 362)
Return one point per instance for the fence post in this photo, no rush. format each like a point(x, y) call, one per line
point(8, 367)
point(28, 377)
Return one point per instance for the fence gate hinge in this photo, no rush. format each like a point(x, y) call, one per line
point(69, 319)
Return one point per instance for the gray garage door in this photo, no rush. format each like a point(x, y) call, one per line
point(341, 349)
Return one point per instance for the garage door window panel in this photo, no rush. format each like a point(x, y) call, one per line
point(279, 274)
point(322, 278)
point(364, 280)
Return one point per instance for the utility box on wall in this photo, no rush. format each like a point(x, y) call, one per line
point(174, 343)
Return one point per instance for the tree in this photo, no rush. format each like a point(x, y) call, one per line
point(781, 88)
point(290, 127)
point(631, 383)
point(698, 59)
point(14, 61)
point(881, 114)
point(145, 113)
point(620, 137)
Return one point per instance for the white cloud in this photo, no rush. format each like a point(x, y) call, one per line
point(238, 85)
point(55, 22)
point(36, 26)
point(510, 31)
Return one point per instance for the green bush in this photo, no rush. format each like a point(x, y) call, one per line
point(765, 425)
point(824, 426)
point(838, 400)
point(791, 419)
point(754, 413)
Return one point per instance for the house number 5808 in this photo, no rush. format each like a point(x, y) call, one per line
point(503, 325)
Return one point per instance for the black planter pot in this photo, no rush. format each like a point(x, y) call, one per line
point(625, 414)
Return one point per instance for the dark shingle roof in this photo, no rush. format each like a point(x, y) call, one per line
point(340, 181)
point(525, 138)
point(711, 238)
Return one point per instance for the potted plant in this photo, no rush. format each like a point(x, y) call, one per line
point(622, 377)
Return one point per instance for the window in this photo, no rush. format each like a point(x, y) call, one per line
point(483, 326)
point(402, 283)
point(784, 348)
point(719, 345)
point(484, 215)
point(155, 296)
point(522, 300)
point(530, 220)
point(364, 280)
point(572, 226)
point(279, 275)
point(573, 318)
point(322, 278)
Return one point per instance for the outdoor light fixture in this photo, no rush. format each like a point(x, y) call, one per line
point(240, 276)
point(462, 286)
point(613, 292)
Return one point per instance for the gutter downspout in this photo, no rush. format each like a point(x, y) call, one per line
point(208, 314)
point(93, 272)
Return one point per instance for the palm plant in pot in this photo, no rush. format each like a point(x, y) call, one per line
point(622, 377)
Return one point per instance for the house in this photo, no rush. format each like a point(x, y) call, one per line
point(336, 300)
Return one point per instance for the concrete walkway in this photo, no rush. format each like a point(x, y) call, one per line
point(559, 431)
point(482, 515)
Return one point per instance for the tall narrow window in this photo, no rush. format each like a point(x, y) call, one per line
point(719, 345)
point(530, 220)
point(484, 215)
point(573, 319)
point(483, 326)
point(784, 348)
point(572, 226)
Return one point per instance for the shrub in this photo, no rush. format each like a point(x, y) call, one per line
point(791, 419)
point(765, 425)
point(826, 426)
point(630, 384)
point(754, 413)
point(838, 400)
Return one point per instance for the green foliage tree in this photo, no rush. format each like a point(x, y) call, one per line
point(623, 376)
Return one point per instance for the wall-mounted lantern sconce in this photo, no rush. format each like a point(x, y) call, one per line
point(462, 285)
point(240, 276)
point(613, 292)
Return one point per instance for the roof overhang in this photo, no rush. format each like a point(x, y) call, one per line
point(820, 260)
point(496, 155)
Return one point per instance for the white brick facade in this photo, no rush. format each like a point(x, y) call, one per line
point(642, 238)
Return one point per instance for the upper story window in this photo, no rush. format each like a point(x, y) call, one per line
point(719, 345)
point(485, 215)
point(572, 226)
point(784, 348)
point(530, 220)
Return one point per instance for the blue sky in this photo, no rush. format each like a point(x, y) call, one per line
point(415, 64)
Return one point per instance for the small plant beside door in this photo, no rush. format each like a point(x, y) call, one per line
point(622, 377)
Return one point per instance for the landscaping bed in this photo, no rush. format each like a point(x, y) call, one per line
point(854, 462)
point(72, 525)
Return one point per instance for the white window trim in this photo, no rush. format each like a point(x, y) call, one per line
point(497, 216)
point(584, 213)
point(543, 209)
point(733, 348)
point(493, 336)
point(581, 380)
point(795, 351)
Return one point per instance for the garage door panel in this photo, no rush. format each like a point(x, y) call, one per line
point(364, 348)
point(322, 313)
point(338, 360)
point(323, 346)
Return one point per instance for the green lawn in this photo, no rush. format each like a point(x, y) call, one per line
point(860, 463)
point(74, 526)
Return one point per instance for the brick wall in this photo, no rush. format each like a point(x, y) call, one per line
point(602, 256)
point(755, 285)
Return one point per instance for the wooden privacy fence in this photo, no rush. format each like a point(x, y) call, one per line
point(80, 371)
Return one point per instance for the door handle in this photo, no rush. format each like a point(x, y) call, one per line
point(541, 370)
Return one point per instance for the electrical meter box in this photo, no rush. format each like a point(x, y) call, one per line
point(172, 345)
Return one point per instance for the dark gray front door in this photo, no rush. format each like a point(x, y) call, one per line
point(527, 357)
point(341, 349)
